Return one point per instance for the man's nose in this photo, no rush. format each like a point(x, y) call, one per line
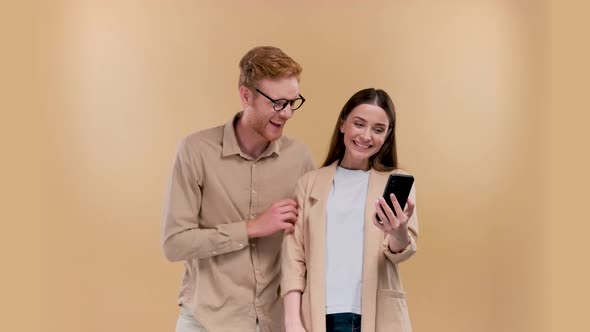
point(287, 112)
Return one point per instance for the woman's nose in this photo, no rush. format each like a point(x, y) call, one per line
point(366, 134)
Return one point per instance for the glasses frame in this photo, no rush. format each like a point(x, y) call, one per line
point(275, 102)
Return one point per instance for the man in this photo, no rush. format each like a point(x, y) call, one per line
point(229, 203)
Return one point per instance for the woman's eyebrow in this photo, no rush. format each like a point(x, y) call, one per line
point(377, 124)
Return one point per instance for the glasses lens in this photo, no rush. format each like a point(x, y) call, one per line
point(280, 104)
point(296, 103)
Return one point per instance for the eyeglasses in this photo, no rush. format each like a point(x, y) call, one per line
point(280, 104)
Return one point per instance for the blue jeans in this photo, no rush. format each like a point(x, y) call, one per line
point(343, 322)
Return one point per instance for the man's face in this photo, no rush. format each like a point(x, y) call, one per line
point(258, 110)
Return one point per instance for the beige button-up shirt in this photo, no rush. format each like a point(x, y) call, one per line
point(230, 281)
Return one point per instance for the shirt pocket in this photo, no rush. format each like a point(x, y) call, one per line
point(392, 311)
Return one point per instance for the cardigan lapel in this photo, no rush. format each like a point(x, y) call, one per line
point(319, 193)
point(373, 239)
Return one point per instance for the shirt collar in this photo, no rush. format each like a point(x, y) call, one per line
point(231, 146)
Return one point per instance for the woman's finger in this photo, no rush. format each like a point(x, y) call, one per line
point(382, 217)
point(409, 211)
point(396, 206)
point(378, 224)
point(389, 213)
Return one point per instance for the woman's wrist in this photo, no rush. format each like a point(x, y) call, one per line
point(398, 242)
point(292, 303)
point(292, 321)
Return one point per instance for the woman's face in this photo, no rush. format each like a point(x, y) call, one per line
point(365, 130)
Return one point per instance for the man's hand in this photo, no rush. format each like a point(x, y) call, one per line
point(281, 215)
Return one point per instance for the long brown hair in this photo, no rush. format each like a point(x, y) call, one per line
point(386, 158)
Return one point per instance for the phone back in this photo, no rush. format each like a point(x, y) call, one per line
point(400, 185)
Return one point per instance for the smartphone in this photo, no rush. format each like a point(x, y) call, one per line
point(400, 185)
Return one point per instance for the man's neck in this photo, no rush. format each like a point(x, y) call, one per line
point(250, 142)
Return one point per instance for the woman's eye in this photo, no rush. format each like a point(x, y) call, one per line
point(358, 124)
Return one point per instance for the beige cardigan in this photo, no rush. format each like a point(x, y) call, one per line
point(383, 305)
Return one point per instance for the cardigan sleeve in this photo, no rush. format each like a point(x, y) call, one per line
point(293, 264)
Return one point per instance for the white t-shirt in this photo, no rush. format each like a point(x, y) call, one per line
point(344, 240)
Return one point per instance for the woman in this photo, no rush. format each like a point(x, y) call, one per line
point(339, 266)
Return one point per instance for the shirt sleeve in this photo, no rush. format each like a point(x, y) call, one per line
point(182, 239)
point(308, 164)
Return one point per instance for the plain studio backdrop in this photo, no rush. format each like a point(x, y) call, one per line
point(95, 96)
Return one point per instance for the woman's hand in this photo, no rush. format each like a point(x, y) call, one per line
point(396, 225)
point(294, 327)
point(292, 303)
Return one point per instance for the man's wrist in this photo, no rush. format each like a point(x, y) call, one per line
point(251, 229)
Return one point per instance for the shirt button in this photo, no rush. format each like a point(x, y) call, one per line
point(240, 245)
point(214, 252)
point(253, 245)
point(253, 191)
point(253, 165)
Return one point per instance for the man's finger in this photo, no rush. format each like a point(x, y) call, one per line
point(287, 209)
point(286, 202)
point(287, 226)
point(289, 217)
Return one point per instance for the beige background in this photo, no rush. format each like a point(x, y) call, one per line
point(492, 106)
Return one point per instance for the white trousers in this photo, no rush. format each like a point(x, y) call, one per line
point(187, 322)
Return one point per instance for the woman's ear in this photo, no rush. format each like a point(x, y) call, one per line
point(341, 124)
